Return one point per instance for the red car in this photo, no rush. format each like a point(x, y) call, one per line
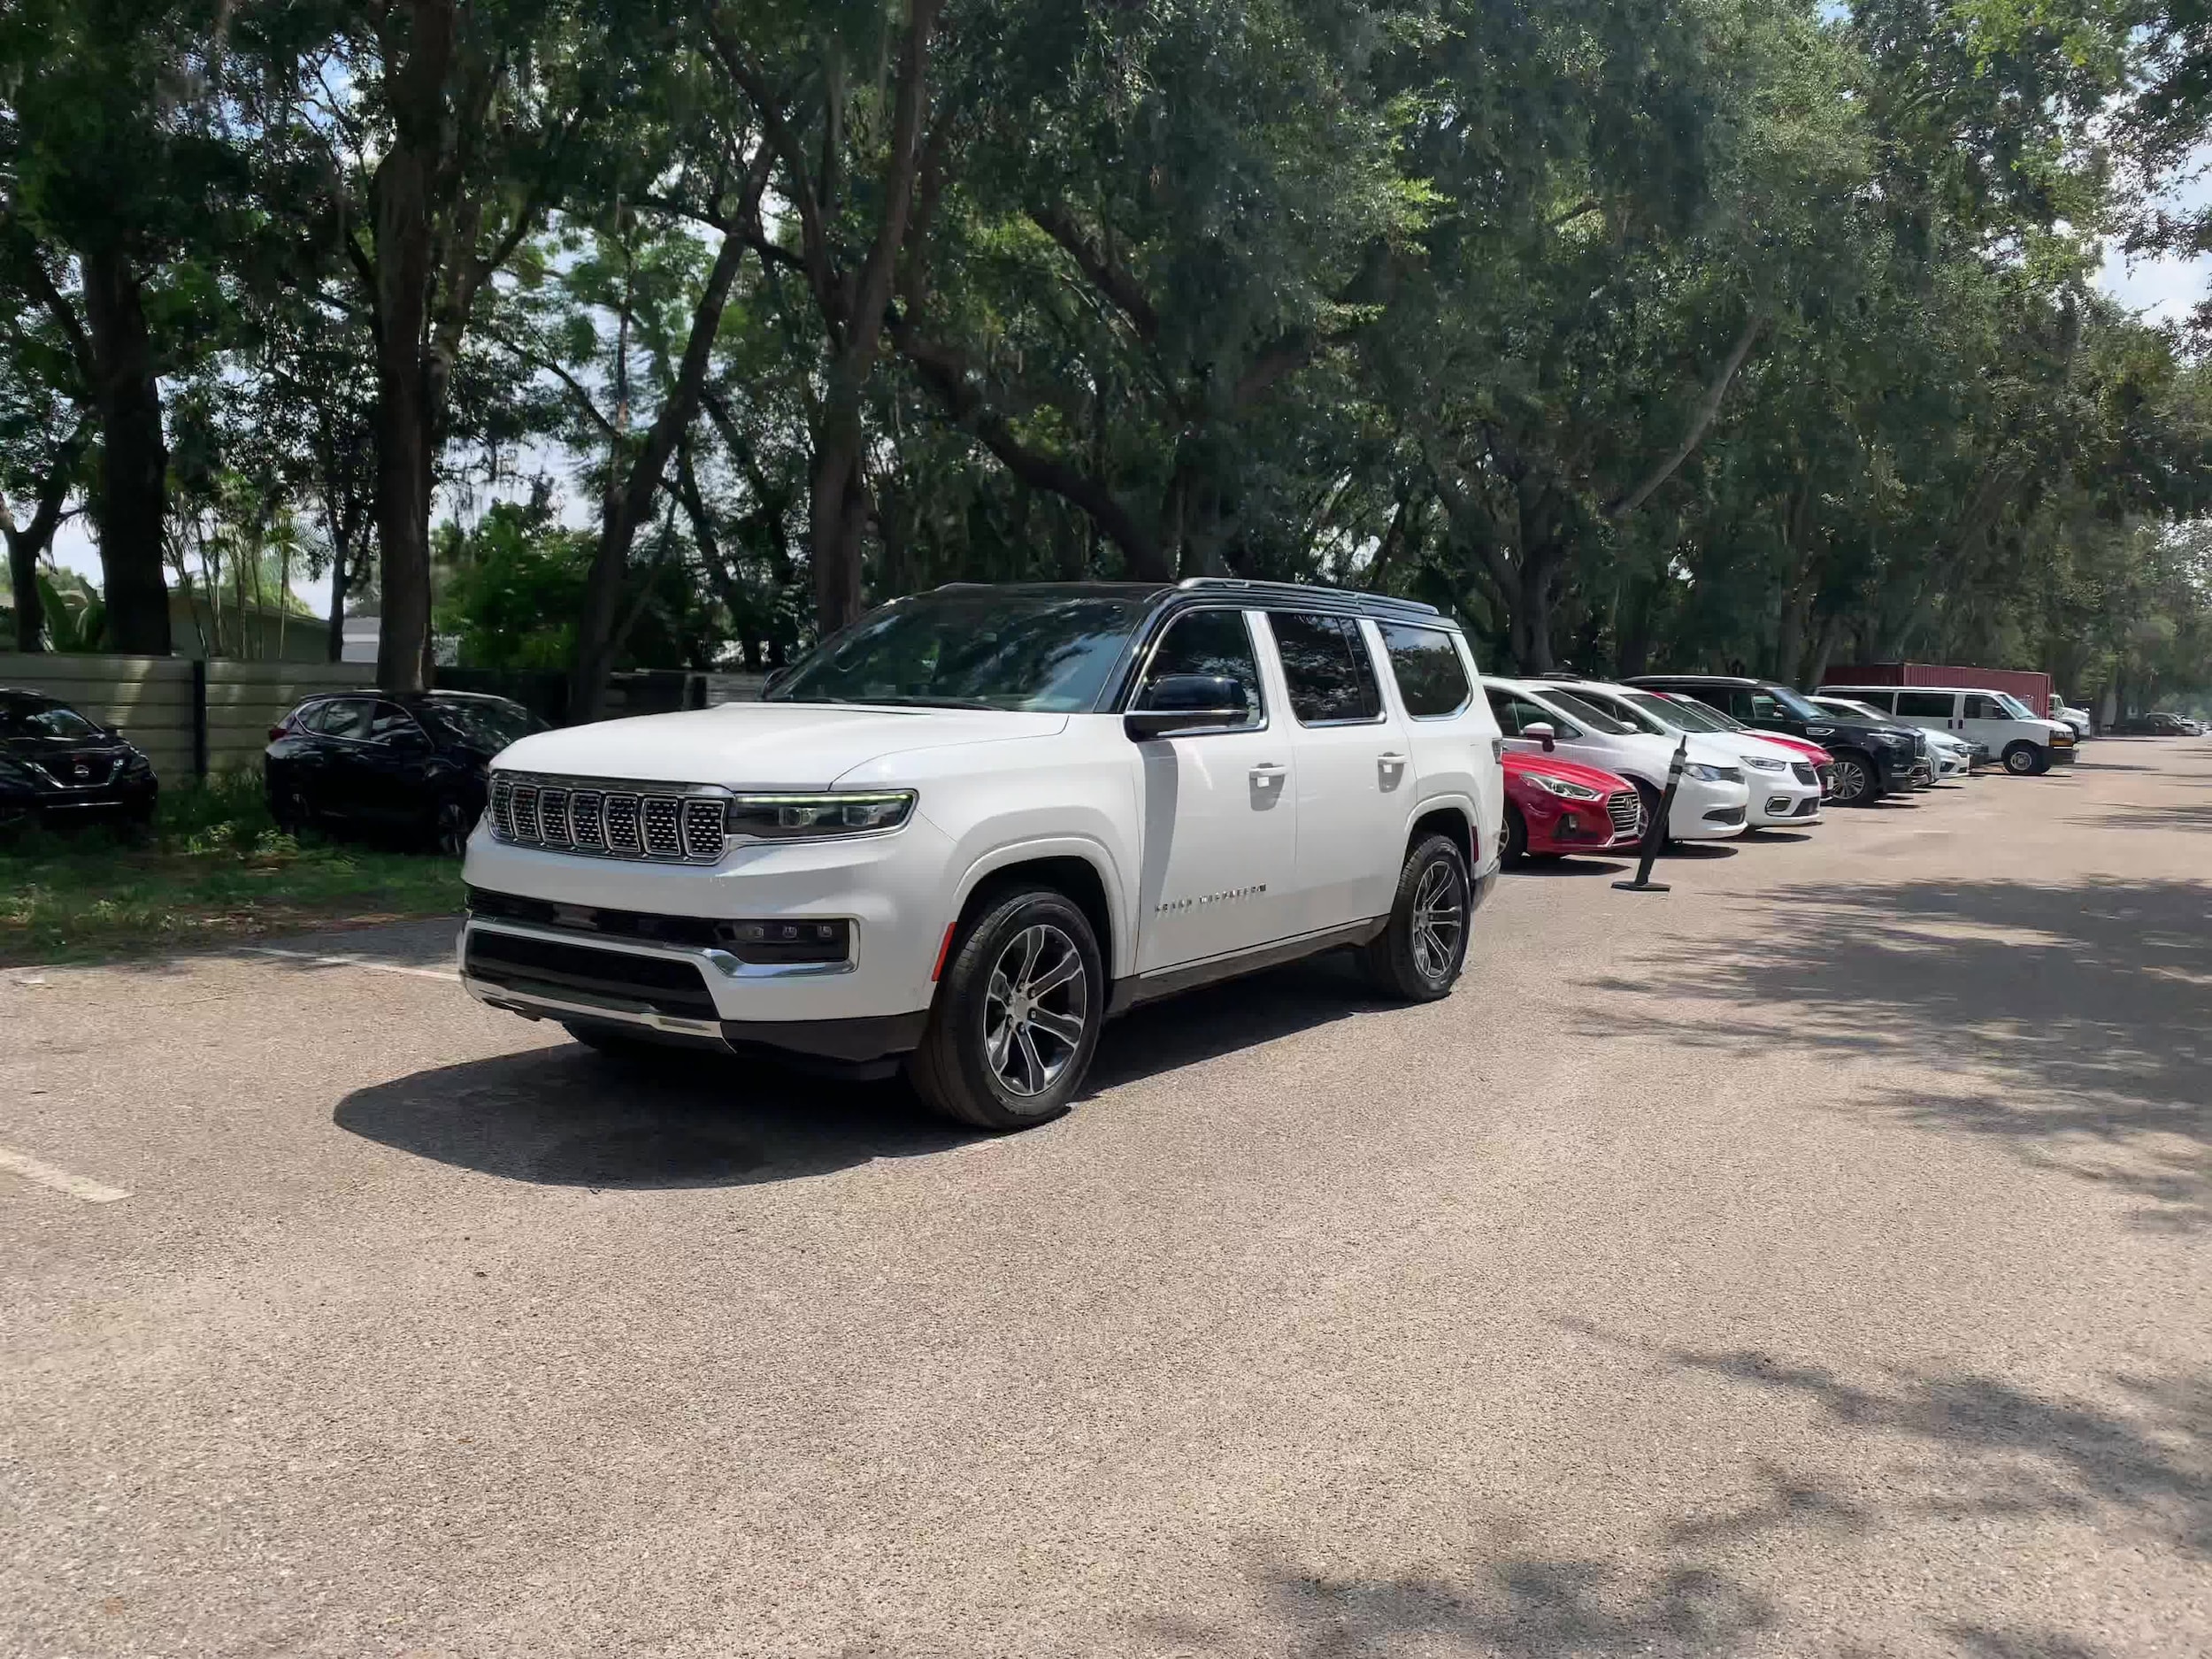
point(1554, 806)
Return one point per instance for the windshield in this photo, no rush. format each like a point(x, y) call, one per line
point(41, 717)
point(1586, 711)
point(1852, 710)
point(2018, 709)
point(1794, 705)
point(975, 648)
point(1624, 709)
point(491, 724)
point(1681, 714)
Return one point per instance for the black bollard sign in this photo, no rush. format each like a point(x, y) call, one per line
point(1656, 832)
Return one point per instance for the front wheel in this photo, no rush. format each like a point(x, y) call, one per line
point(450, 827)
point(1017, 1013)
point(1513, 846)
point(1857, 783)
point(1418, 954)
point(2025, 760)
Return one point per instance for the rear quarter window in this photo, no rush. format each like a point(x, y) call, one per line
point(1425, 662)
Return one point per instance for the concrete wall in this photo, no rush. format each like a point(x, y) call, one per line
point(153, 699)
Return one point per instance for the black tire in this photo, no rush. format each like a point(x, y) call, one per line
point(2023, 759)
point(288, 806)
point(992, 1057)
point(1418, 954)
point(450, 828)
point(613, 1041)
point(1513, 845)
point(1858, 780)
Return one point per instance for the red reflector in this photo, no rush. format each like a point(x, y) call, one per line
point(943, 951)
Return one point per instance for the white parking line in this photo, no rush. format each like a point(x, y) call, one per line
point(350, 962)
point(61, 1180)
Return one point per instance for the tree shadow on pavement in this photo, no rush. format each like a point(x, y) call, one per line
point(2070, 1022)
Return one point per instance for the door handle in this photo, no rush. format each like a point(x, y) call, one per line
point(1267, 776)
point(1392, 767)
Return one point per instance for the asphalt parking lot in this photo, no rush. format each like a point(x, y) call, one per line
point(1812, 1262)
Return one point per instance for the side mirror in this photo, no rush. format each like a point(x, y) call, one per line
point(1182, 703)
point(1544, 732)
point(776, 677)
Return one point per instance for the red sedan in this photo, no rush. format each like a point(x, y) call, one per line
point(1554, 806)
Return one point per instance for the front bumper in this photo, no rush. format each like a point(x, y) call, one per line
point(1778, 799)
point(1709, 812)
point(126, 798)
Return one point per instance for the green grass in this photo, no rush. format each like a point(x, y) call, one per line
point(215, 867)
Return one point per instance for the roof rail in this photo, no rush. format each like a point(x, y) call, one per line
point(1239, 584)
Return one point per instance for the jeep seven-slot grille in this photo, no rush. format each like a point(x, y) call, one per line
point(644, 824)
point(1627, 812)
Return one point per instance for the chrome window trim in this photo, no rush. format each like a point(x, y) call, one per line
point(1143, 669)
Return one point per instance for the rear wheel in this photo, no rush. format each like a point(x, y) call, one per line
point(2023, 759)
point(1857, 782)
point(1418, 954)
point(1017, 1013)
point(289, 805)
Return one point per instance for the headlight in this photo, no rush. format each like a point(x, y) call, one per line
point(1892, 740)
point(1820, 731)
point(1703, 773)
point(1761, 763)
point(137, 765)
point(1566, 791)
point(802, 816)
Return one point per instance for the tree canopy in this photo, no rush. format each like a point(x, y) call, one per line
point(1637, 333)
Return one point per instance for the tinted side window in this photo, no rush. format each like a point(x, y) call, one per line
point(1325, 663)
point(1210, 642)
point(1927, 705)
point(1986, 708)
point(1430, 678)
point(390, 723)
point(1763, 707)
point(346, 717)
point(1515, 715)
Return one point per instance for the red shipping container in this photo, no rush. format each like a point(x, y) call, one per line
point(2031, 686)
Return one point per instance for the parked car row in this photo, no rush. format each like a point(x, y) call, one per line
point(2159, 724)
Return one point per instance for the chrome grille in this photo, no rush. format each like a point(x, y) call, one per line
point(702, 828)
point(663, 825)
point(1804, 772)
point(622, 826)
point(583, 815)
point(553, 818)
point(1626, 811)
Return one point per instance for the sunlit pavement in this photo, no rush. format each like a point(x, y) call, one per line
point(1812, 1261)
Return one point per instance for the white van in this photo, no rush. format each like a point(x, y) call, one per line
point(2012, 733)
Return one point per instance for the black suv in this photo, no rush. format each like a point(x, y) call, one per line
point(58, 767)
point(413, 763)
point(1872, 759)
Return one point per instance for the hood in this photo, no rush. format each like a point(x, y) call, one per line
point(1801, 746)
point(761, 745)
point(1518, 764)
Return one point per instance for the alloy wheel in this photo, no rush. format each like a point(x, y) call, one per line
point(453, 829)
point(1035, 1010)
point(1851, 783)
point(1439, 918)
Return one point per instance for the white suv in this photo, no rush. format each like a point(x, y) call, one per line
point(1784, 785)
point(962, 832)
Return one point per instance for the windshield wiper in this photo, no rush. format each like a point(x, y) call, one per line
point(899, 703)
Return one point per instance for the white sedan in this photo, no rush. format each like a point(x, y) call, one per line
point(1712, 801)
point(1785, 788)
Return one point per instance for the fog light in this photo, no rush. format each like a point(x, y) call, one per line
point(773, 941)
